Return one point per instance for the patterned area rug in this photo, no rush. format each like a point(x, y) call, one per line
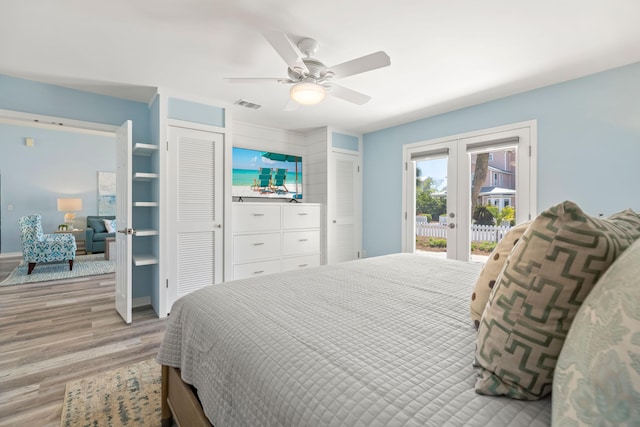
point(83, 265)
point(128, 396)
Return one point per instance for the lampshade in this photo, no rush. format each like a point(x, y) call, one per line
point(307, 93)
point(69, 205)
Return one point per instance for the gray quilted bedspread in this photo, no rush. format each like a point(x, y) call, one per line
point(383, 341)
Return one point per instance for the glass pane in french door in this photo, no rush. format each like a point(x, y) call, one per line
point(431, 207)
point(493, 199)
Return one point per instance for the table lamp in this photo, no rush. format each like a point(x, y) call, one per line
point(69, 206)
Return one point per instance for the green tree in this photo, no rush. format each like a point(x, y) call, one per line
point(483, 216)
point(425, 202)
point(506, 216)
point(479, 176)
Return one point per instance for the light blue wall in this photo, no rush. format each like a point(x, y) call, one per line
point(588, 149)
point(195, 112)
point(346, 142)
point(38, 98)
point(60, 164)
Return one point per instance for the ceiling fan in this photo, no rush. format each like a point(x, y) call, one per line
point(311, 79)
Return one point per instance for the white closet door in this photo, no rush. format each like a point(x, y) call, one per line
point(195, 210)
point(345, 206)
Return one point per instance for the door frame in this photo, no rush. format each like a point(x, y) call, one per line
point(526, 131)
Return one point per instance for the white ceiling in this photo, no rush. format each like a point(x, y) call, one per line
point(445, 55)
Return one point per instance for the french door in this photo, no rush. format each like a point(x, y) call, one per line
point(502, 161)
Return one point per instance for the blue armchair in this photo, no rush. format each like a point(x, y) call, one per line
point(39, 247)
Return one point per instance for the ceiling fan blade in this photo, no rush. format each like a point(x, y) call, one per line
point(255, 80)
point(349, 95)
point(286, 49)
point(361, 65)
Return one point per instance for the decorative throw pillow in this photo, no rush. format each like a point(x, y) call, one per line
point(97, 224)
point(546, 278)
point(597, 379)
point(491, 270)
point(110, 225)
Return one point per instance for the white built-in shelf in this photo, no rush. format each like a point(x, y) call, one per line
point(140, 259)
point(145, 176)
point(140, 149)
point(148, 232)
point(145, 204)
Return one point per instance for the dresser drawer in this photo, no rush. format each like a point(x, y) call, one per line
point(299, 262)
point(254, 217)
point(301, 216)
point(301, 242)
point(256, 247)
point(242, 271)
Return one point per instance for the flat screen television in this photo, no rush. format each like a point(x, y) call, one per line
point(266, 174)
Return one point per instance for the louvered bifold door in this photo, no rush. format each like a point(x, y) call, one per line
point(195, 210)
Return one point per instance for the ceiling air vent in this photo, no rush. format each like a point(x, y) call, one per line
point(248, 104)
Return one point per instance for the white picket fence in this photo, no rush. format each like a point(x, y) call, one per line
point(479, 233)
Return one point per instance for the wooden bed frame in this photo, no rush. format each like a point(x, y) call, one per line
point(179, 402)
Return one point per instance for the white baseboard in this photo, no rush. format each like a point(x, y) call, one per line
point(141, 302)
point(10, 254)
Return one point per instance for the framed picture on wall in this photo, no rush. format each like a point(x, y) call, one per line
point(106, 193)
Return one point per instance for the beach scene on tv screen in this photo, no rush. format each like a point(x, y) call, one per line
point(266, 174)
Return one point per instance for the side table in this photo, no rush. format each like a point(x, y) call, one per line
point(81, 248)
point(109, 248)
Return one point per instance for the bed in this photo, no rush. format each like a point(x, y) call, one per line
point(384, 341)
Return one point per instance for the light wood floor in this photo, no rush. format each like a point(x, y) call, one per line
point(55, 332)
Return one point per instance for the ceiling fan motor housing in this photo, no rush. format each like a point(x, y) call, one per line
point(317, 71)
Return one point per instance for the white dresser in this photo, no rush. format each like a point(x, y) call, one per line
point(274, 237)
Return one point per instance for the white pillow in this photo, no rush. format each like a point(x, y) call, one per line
point(110, 225)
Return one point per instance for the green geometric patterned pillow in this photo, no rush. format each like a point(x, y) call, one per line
point(548, 275)
point(597, 379)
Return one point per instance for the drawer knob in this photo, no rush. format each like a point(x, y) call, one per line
point(302, 213)
point(258, 214)
point(302, 240)
point(258, 272)
point(258, 244)
point(303, 265)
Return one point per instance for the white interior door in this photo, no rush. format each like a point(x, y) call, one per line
point(123, 216)
point(195, 210)
point(345, 207)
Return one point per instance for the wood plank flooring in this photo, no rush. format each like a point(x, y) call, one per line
point(55, 332)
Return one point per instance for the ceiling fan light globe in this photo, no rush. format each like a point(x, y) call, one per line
point(307, 93)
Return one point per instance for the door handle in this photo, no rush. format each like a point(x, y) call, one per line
point(452, 225)
point(127, 231)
